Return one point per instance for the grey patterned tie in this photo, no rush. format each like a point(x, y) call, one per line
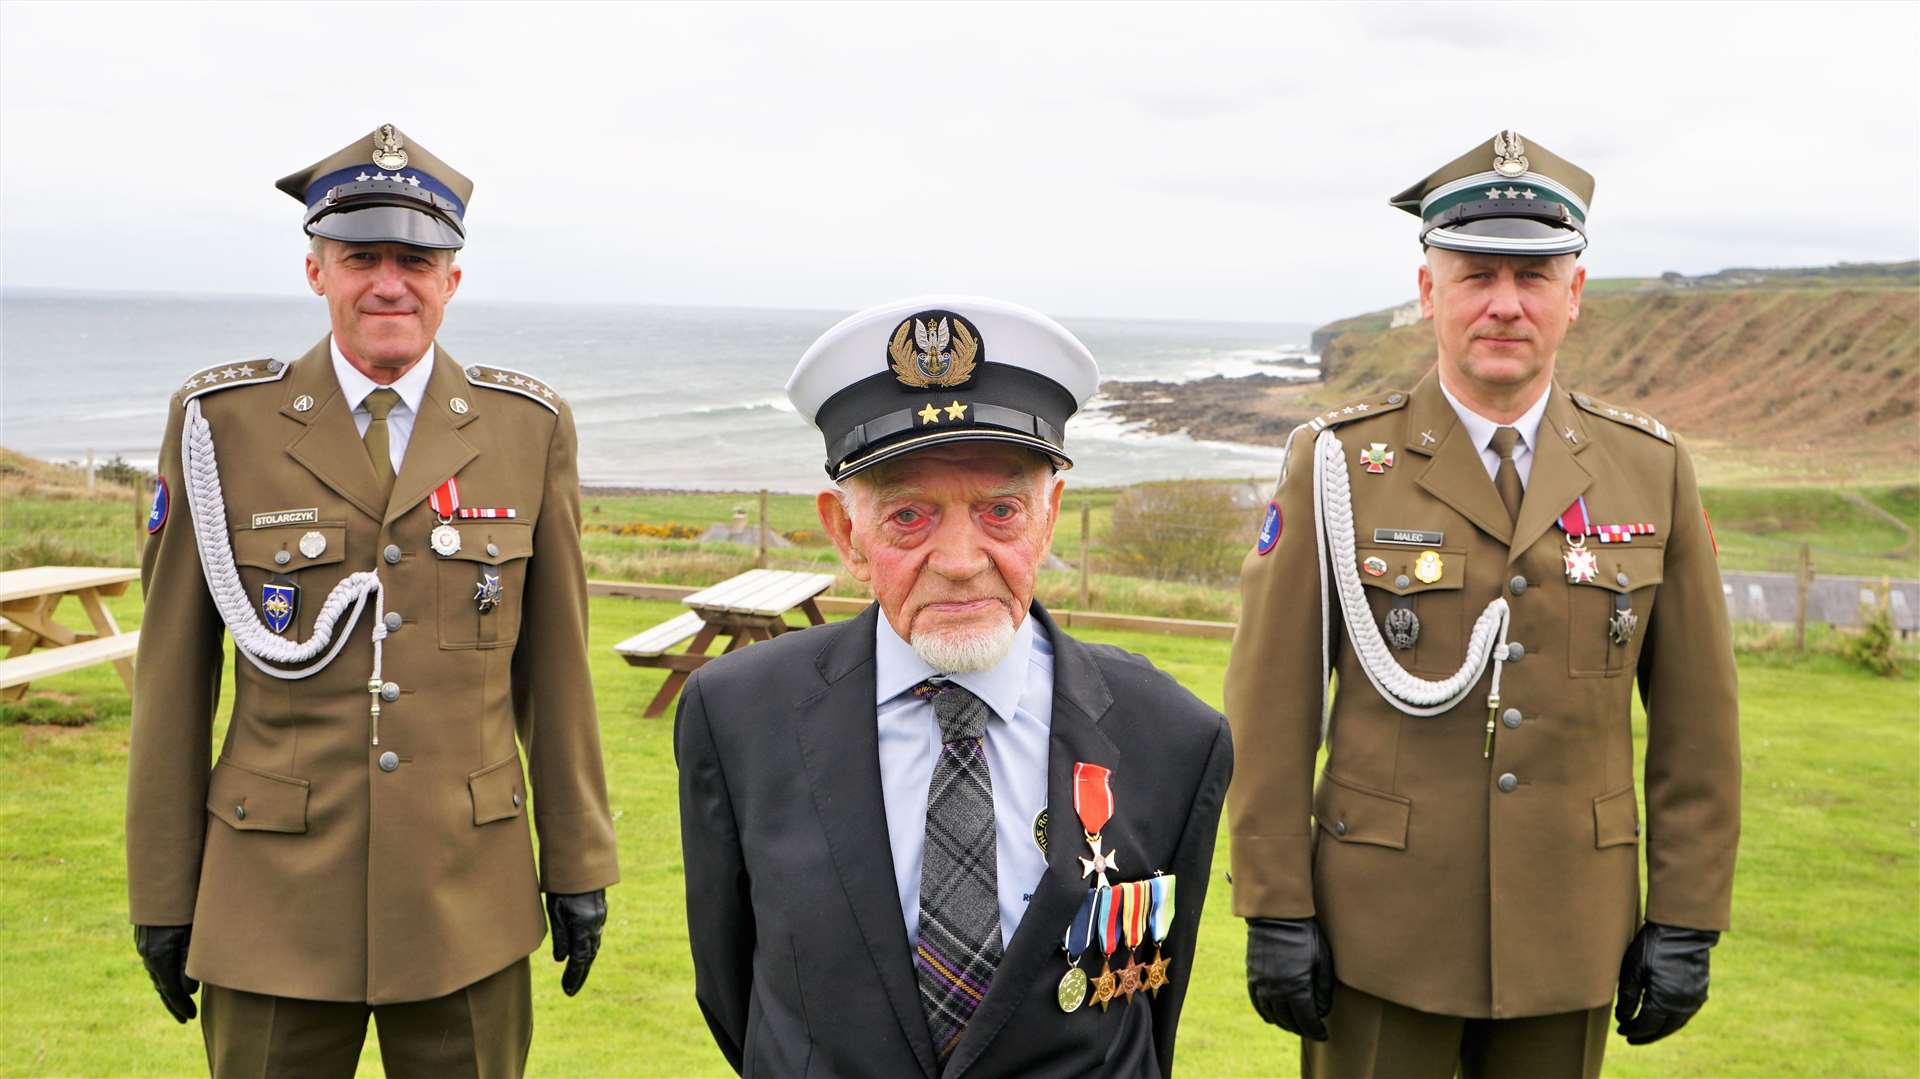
point(959, 944)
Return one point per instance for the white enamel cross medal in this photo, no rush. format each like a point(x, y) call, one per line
point(1581, 565)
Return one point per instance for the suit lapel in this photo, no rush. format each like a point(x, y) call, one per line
point(435, 450)
point(329, 444)
point(840, 750)
point(1455, 475)
point(1080, 699)
point(1557, 476)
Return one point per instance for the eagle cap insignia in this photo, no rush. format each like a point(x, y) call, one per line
point(1509, 155)
point(387, 150)
point(934, 349)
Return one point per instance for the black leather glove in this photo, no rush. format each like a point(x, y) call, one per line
point(1290, 974)
point(163, 948)
point(577, 921)
point(1664, 976)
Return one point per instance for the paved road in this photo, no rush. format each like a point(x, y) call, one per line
point(1768, 597)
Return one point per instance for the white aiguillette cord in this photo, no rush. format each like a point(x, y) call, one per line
point(1333, 526)
point(251, 638)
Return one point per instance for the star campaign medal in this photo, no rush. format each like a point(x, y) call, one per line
point(1106, 915)
point(445, 501)
point(1161, 922)
point(1073, 984)
point(1093, 801)
point(1133, 923)
point(1377, 457)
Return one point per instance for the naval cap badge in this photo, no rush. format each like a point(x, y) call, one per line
point(1509, 154)
point(934, 348)
point(387, 151)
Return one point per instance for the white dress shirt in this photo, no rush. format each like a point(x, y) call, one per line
point(1019, 694)
point(411, 387)
point(1482, 428)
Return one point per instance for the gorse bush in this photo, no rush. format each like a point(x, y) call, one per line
point(1180, 531)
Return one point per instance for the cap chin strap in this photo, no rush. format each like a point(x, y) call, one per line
point(1333, 530)
point(251, 638)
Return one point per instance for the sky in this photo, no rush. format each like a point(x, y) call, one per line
point(1178, 161)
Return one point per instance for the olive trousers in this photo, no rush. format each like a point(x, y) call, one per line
point(1371, 1038)
point(480, 1032)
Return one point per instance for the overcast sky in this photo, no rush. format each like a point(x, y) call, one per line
point(1088, 159)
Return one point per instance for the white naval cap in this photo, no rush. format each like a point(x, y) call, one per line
point(942, 368)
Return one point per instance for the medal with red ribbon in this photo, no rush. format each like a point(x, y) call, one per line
point(1093, 801)
point(445, 501)
point(1135, 899)
point(1580, 564)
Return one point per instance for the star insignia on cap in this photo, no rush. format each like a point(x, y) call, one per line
point(956, 411)
point(930, 414)
point(1493, 192)
point(1528, 194)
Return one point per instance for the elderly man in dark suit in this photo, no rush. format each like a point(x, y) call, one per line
point(912, 837)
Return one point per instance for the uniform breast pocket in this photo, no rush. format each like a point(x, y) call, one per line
point(481, 584)
point(288, 572)
point(1607, 617)
point(1418, 604)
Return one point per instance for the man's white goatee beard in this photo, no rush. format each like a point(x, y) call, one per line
point(960, 651)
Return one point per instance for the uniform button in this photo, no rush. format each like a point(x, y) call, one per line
point(393, 621)
point(274, 367)
point(1511, 717)
point(392, 554)
point(1508, 783)
point(240, 812)
point(1515, 650)
point(1395, 398)
point(1583, 399)
point(1402, 581)
point(1339, 827)
point(281, 558)
point(390, 691)
point(493, 550)
point(1518, 584)
point(516, 799)
point(389, 761)
point(1620, 579)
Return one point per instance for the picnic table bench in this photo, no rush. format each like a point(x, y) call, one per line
point(746, 608)
point(27, 601)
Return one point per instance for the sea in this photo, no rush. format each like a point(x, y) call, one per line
point(664, 397)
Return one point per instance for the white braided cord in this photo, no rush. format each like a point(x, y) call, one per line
point(207, 507)
point(1333, 525)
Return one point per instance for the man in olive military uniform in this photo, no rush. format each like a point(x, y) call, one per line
point(1497, 561)
point(392, 543)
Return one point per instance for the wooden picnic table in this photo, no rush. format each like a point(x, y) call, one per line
point(27, 601)
point(746, 608)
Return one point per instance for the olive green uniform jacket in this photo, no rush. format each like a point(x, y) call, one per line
point(1439, 888)
point(306, 867)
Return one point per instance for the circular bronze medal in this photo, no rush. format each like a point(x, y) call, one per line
point(1073, 989)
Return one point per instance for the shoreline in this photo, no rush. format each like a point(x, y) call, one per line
point(1250, 410)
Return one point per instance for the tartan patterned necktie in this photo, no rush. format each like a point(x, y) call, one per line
point(959, 944)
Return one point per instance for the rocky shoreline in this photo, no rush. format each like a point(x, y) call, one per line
point(1256, 410)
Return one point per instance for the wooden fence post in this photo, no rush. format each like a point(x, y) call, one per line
point(1086, 558)
point(1802, 580)
point(89, 473)
point(760, 556)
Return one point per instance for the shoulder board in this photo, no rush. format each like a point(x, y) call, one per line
point(1358, 410)
point(506, 378)
point(223, 376)
point(1639, 421)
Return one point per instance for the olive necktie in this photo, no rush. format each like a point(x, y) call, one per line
point(959, 943)
point(379, 403)
point(1506, 480)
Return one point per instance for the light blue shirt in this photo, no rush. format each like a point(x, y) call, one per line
point(1019, 693)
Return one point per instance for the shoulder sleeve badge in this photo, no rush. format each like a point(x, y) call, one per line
point(1358, 410)
point(511, 381)
point(1627, 417)
point(223, 376)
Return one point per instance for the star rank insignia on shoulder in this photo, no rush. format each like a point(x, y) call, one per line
point(1358, 410)
point(505, 378)
point(1638, 420)
point(223, 376)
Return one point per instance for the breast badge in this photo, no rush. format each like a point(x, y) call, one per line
point(1428, 567)
point(1402, 628)
point(279, 602)
point(1377, 457)
point(486, 593)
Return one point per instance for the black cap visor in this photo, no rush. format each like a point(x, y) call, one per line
point(931, 439)
point(387, 224)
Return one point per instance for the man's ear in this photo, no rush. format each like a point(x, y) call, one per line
point(1425, 280)
point(1053, 509)
point(313, 275)
point(838, 525)
point(1579, 282)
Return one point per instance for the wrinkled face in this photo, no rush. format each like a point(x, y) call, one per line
point(386, 299)
point(1499, 319)
point(949, 538)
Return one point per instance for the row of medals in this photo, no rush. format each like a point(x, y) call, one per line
point(1125, 982)
point(1582, 567)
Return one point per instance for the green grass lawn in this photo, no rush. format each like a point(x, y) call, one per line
point(1820, 977)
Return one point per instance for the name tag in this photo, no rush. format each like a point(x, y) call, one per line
point(286, 517)
point(1408, 536)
